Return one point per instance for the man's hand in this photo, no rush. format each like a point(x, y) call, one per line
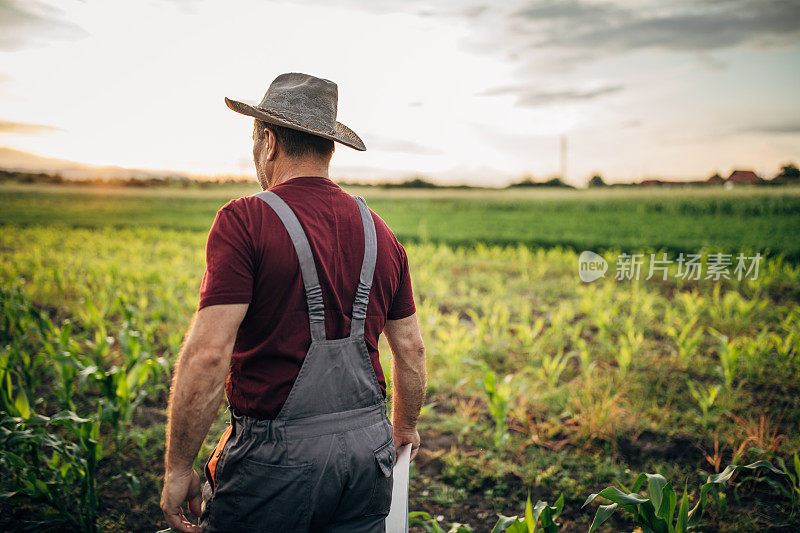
point(179, 488)
point(405, 436)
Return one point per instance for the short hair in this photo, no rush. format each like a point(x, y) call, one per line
point(297, 143)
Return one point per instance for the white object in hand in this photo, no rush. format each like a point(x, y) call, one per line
point(397, 521)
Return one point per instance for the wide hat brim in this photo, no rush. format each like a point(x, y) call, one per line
point(340, 133)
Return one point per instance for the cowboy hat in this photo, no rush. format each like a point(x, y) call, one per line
point(304, 103)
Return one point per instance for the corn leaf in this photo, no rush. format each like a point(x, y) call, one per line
point(22, 405)
point(667, 508)
point(722, 478)
point(530, 520)
point(503, 523)
point(682, 524)
point(617, 496)
point(604, 512)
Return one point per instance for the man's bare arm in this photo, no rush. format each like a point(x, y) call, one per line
point(197, 390)
point(408, 379)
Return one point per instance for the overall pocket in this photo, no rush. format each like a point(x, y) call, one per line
point(271, 497)
point(381, 498)
point(211, 464)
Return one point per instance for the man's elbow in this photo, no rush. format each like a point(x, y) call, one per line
point(412, 358)
point(413, 349)
point(208, 356)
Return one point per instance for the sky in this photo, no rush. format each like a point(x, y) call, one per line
point(468, 91)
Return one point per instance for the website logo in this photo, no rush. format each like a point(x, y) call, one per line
point(591, 266)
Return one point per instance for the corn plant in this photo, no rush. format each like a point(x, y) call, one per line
point(21, 327)
point(528, 332)
point(693, 304)
point(686, 338)
point(732, 308)
point(498, 395)
point(629, 344)
point(606, 324)
point(541, 513)
point(585, 356)
point(788, 345)
point(793, 477)
point(431, 524)
point(657, 511)
point(552, 367)
point(705, 398)
point(729, 352)
point(57, 468)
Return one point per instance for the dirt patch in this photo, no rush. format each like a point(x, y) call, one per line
point(637, 450)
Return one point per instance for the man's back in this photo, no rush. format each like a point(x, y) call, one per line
point(301, 280)
point(251, 259)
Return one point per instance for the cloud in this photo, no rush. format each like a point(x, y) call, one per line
point(787, 127)
point(30, 22)
point(586, 29)
point(699, 25)
point(530, 97)
point(7, 126)
point(404, 146)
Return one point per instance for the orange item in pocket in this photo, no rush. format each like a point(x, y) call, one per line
point(212, 463)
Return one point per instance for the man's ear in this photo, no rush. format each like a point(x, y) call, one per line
point(272, 144)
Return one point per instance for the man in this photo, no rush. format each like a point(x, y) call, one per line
point(301, 279)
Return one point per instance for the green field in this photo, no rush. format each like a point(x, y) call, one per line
point(688, 220)
point(539, 384)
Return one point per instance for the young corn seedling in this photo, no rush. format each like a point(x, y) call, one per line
point(541, 513)
point(431, 524)
point(657, 511)
point(552, 367)
point(792, 477)
point(498, 398)
point(732, 308)
point(705, 399)
point(624, 359)
point(585, 356)
point(606, 324)
point(58, 468)
point(694, 305)
point(686, 338)
point(629, 344)
point(729, 352)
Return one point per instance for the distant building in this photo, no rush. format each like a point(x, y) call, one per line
point(650, 183)
point(716, 179)
point(664, 183)
point(744, 177)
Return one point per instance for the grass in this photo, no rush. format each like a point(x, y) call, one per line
point(530, 393)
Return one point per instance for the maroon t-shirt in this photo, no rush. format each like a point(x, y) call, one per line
point(250, 259)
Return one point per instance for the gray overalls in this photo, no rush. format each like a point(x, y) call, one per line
point(325, 463)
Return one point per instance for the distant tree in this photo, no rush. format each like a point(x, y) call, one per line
point(789, 174)
point(417, 183)
point(597, 181)
point(557, 182)
point(529, 182)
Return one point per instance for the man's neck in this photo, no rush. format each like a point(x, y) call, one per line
point(296, 169)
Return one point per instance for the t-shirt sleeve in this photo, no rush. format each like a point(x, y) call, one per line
point(230, 265)
point(403, 302)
